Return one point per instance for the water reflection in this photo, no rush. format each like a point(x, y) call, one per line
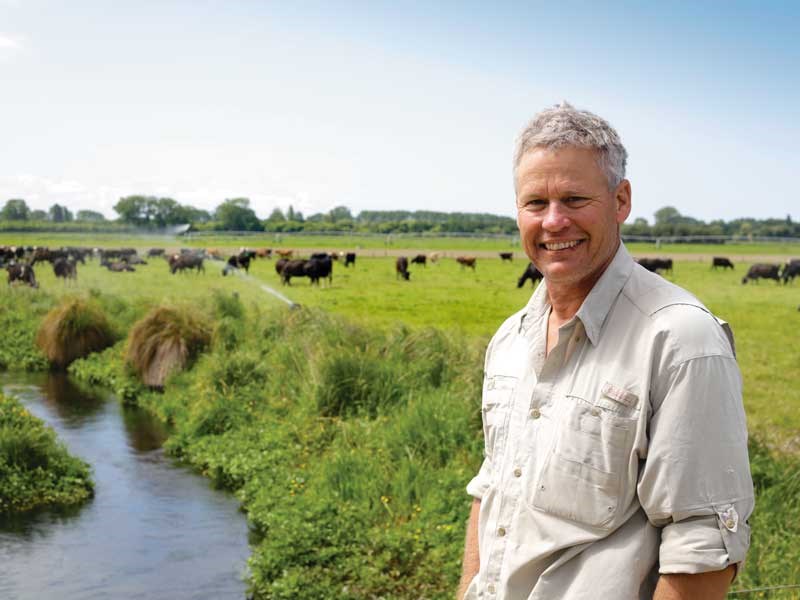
point(153, 530)
point(74, 404)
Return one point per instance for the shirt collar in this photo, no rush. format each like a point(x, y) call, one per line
point(598, 303)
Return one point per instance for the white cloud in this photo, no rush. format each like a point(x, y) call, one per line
point(9, 43)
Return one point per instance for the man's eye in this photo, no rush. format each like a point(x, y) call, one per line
point(576, 201)
point(535, 204)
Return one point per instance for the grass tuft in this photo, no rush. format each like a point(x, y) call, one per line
point(73, 330)
point(167, 339)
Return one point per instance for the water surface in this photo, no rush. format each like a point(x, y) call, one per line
point(153, 530)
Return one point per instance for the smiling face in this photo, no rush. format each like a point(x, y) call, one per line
point(568, 218)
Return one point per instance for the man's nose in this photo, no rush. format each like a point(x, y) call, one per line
point(556, 218)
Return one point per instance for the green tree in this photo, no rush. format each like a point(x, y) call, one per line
point(37, 215)
point(235, 214)
point(668, 214)
point(15, 210)
point(59, 214)
point(90, 215)
point(133, 210)
point(340, 213)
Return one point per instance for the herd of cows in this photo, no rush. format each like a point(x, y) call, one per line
point(19, 263)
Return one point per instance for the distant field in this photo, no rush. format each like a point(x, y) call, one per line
point(389, 244)
point(764, 316)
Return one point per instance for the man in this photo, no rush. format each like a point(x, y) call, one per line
point(616, 459)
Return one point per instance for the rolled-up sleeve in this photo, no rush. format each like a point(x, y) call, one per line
point(696, 483)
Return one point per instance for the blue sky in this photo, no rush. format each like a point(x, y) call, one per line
point(391, 105)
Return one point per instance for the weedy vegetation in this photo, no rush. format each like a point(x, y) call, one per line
point(35, 469)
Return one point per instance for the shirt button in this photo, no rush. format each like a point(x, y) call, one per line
point(729, 523)
point(535, 413)
point(595, 412)
point(490, 588)
point(501, 531)
point(517, 472)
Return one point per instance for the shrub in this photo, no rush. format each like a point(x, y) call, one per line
point(72, 330)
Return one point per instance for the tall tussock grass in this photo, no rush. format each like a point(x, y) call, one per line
point(73, 329)
point(165, 340)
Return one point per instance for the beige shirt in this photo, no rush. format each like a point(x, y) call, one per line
point(620, 455)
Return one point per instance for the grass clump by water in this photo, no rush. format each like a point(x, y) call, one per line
point(165, 340)
point(35, 469)
point(72, 330)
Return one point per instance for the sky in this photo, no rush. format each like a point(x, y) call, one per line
point(392, 105)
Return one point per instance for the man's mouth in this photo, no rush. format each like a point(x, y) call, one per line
point(560, 245)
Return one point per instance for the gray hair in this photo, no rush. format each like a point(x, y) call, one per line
point(563, 125)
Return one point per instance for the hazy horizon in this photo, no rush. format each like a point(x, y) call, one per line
point(390, 107)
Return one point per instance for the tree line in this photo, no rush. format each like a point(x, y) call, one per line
point(236, 214)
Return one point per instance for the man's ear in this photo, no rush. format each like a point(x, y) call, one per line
point(622, 197)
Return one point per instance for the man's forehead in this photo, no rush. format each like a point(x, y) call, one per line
point(567, 166)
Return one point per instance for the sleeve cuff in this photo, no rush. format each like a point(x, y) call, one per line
point(480, 483)
point(704, 543)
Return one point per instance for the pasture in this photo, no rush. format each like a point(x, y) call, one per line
point(764, 316)
point(374, 244)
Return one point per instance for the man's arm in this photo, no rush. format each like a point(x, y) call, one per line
point(472, 561)
point(712, 585)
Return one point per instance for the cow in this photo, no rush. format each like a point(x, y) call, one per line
point(65, 268)
point(466, 261)
point(187, 261)
point(239, 261)
point(319, 267)
point(790, 270)
point(293, 268)
point(434, 257)
point(401, 268)
point(279, 264)
point(654, 265)
point(420, 259)
point(119, 266)
point(155, 252)
point(264, 252)
point(120, 253)
point(350, 259)
point(509, 256)
point(721, 261)
point(22, 272)
point(532, 273)
point(284, 253)
point(762, 271)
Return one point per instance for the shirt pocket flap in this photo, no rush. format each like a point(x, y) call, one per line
point(620, 395)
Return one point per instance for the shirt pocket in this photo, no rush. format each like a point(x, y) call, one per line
point(582, 475)
point(497, 393)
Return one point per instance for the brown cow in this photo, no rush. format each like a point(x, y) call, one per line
point(509, 256)
point(466, 261)
point(401, 268)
